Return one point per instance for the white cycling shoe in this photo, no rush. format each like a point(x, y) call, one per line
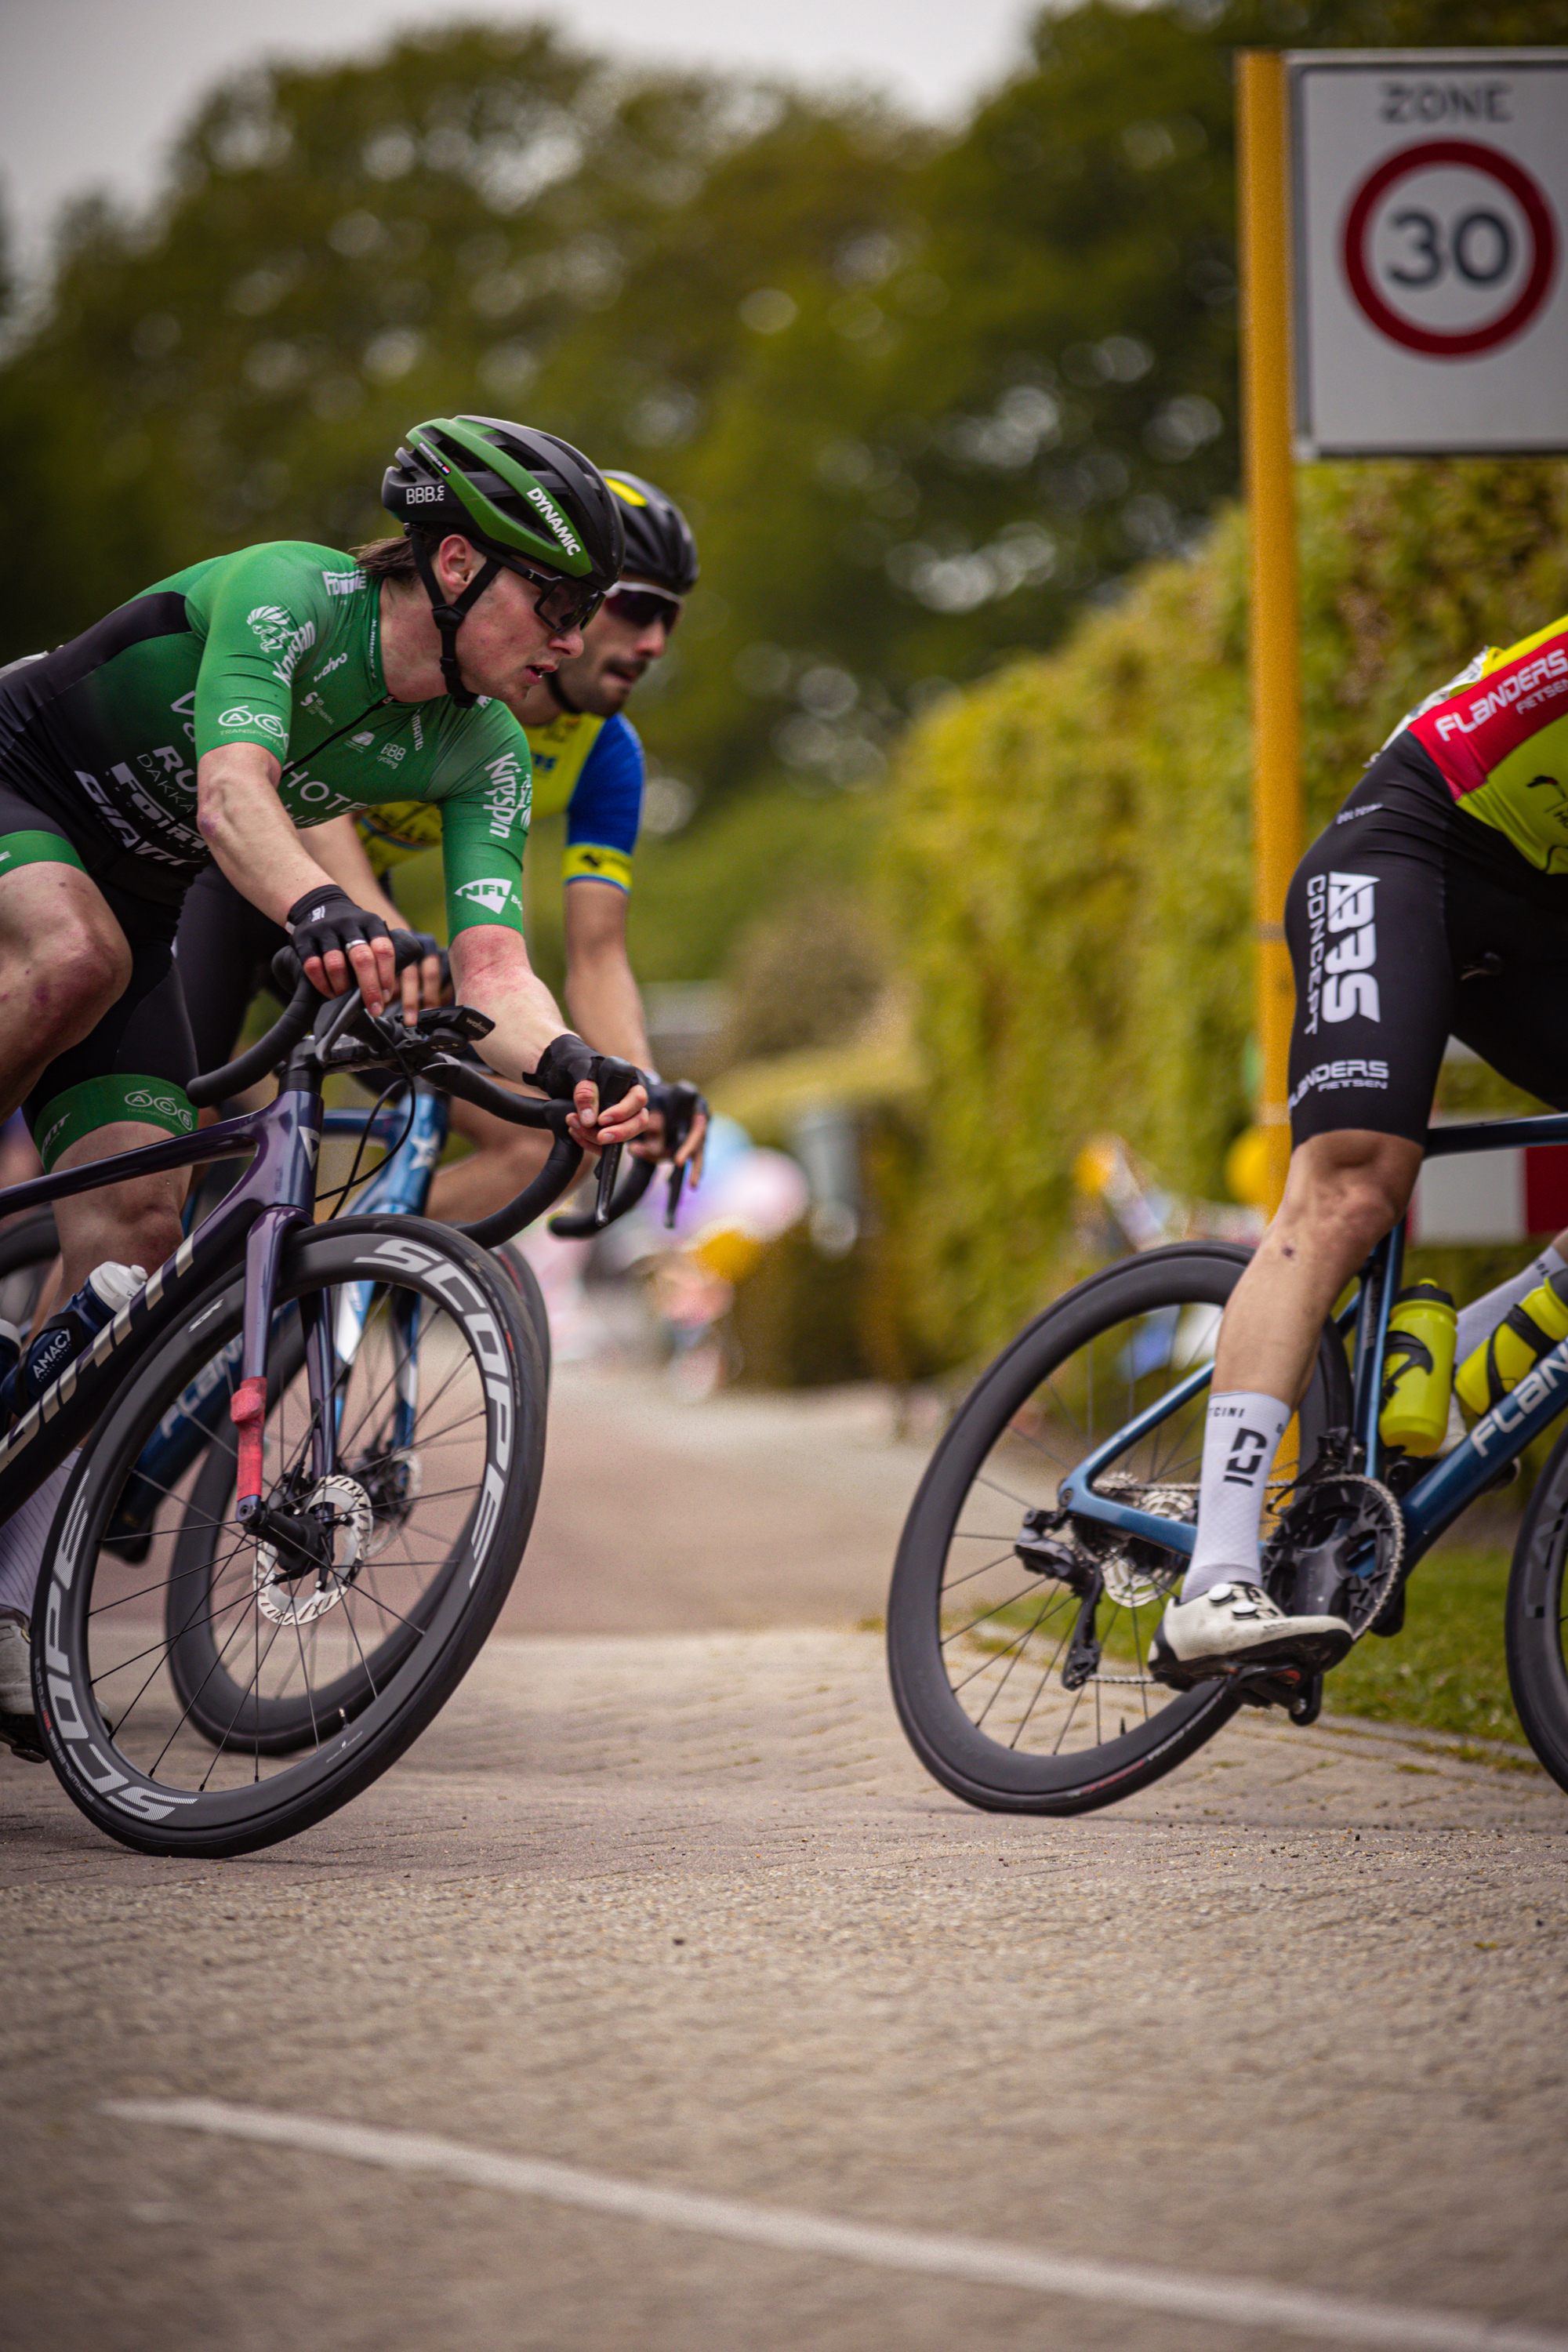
point(15, 1665)
point(1236, 1625)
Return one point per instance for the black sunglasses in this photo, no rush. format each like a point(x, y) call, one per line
point(641, 606)
point(565, 603)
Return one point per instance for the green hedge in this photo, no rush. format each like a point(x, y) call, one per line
point(1067, 859)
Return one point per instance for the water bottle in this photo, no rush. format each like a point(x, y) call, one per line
point(1418, 1369)
point(69, 1330)
point(1526, 1333)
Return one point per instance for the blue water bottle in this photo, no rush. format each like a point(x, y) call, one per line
point(69, 1330)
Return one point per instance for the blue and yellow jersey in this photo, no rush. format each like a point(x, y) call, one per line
point(592, 768)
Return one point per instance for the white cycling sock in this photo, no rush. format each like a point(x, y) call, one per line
point(1241, 1437)
point(1480, 1318)
point(24, 1536)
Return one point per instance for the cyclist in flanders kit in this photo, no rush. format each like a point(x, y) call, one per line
point(587, 762)
point(1435, 904)
point(222, 711)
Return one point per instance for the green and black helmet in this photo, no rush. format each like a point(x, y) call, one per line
point(660, 549)
point(528, 502)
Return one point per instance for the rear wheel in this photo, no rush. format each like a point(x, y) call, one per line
point(224, 1692)
point(1018, 1647)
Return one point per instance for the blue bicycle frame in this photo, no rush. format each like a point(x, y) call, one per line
point(1441, 1493)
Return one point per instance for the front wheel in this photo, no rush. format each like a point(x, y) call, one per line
point(1536, 1617)
point(212, 1696)
point(1018, 1647)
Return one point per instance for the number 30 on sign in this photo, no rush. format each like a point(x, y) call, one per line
point(1431, 307)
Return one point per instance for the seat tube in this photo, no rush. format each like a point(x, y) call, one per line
point(1379, 1288)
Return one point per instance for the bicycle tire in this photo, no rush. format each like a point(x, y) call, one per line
point(951, 1731)
point(281, 1725)
point(119, 1739)
point(512, 1256)
point(1535, 1617)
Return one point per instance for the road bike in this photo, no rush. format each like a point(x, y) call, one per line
point(235, 1636)
point(1057, 1515)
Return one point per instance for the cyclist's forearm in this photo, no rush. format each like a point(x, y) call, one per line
point(602, 999)
point(250, 832)
point(600, 991)
point(491, 972)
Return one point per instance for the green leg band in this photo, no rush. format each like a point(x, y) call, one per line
point(101, 1102)
point(37, 849)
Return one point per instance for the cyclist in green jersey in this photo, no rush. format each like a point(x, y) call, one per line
point(228, 708)
point(588, 762)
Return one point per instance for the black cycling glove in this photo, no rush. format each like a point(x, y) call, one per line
point(326, 918)
point(565, 1062)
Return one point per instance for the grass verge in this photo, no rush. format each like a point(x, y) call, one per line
point(1445, 1671)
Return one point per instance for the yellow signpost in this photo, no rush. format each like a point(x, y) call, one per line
point(1274, 656)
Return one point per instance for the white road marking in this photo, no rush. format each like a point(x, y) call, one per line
point(1235, 2302)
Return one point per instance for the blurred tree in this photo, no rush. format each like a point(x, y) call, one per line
point(923, 396)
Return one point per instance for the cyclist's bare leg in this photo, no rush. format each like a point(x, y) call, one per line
point(64, 960)
point(504, 1158)
point(137, 1223)
point(1343, 1193)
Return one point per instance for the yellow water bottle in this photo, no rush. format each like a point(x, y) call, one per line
point(1525, 1334)
point(1418, 1369)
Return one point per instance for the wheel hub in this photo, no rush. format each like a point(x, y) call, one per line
point(297, 1596)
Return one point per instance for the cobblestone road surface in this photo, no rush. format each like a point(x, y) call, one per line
point(666, 1898)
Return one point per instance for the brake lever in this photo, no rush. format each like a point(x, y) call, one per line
point(614, 1079)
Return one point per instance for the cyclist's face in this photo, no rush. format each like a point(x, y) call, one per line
point(505, 647)
point(614, 655)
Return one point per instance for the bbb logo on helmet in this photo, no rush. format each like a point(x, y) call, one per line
point(425, 493)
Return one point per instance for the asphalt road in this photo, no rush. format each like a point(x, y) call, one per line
point(662, 1914)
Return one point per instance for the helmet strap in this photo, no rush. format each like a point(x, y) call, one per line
point(552, 680)
point(449, 618)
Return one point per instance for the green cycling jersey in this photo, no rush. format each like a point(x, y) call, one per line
point(279, 646)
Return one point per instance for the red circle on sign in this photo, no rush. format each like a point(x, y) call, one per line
point(1532, 204)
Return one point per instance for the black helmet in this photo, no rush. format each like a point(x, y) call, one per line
point(527, 500)
point(659, 545)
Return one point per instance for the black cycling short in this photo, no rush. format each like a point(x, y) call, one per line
point(1410, 922)
point(224, 953)
point(137, 1062)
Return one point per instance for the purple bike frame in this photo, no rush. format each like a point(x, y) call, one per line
point(252, 1221)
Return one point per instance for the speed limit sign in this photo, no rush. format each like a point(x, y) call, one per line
point(1431, 286)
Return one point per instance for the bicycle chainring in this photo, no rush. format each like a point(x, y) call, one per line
point(1315, 1563)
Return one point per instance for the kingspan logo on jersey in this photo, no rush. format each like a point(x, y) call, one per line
point(276, 632)
point(1340, 979)
point(495, 895)
point(556, 519)
point(509, 800)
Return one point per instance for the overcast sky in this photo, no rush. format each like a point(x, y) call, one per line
point(90, 91)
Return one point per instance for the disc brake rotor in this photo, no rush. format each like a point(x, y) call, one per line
point(299, 1600)
point(1135, 1583)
